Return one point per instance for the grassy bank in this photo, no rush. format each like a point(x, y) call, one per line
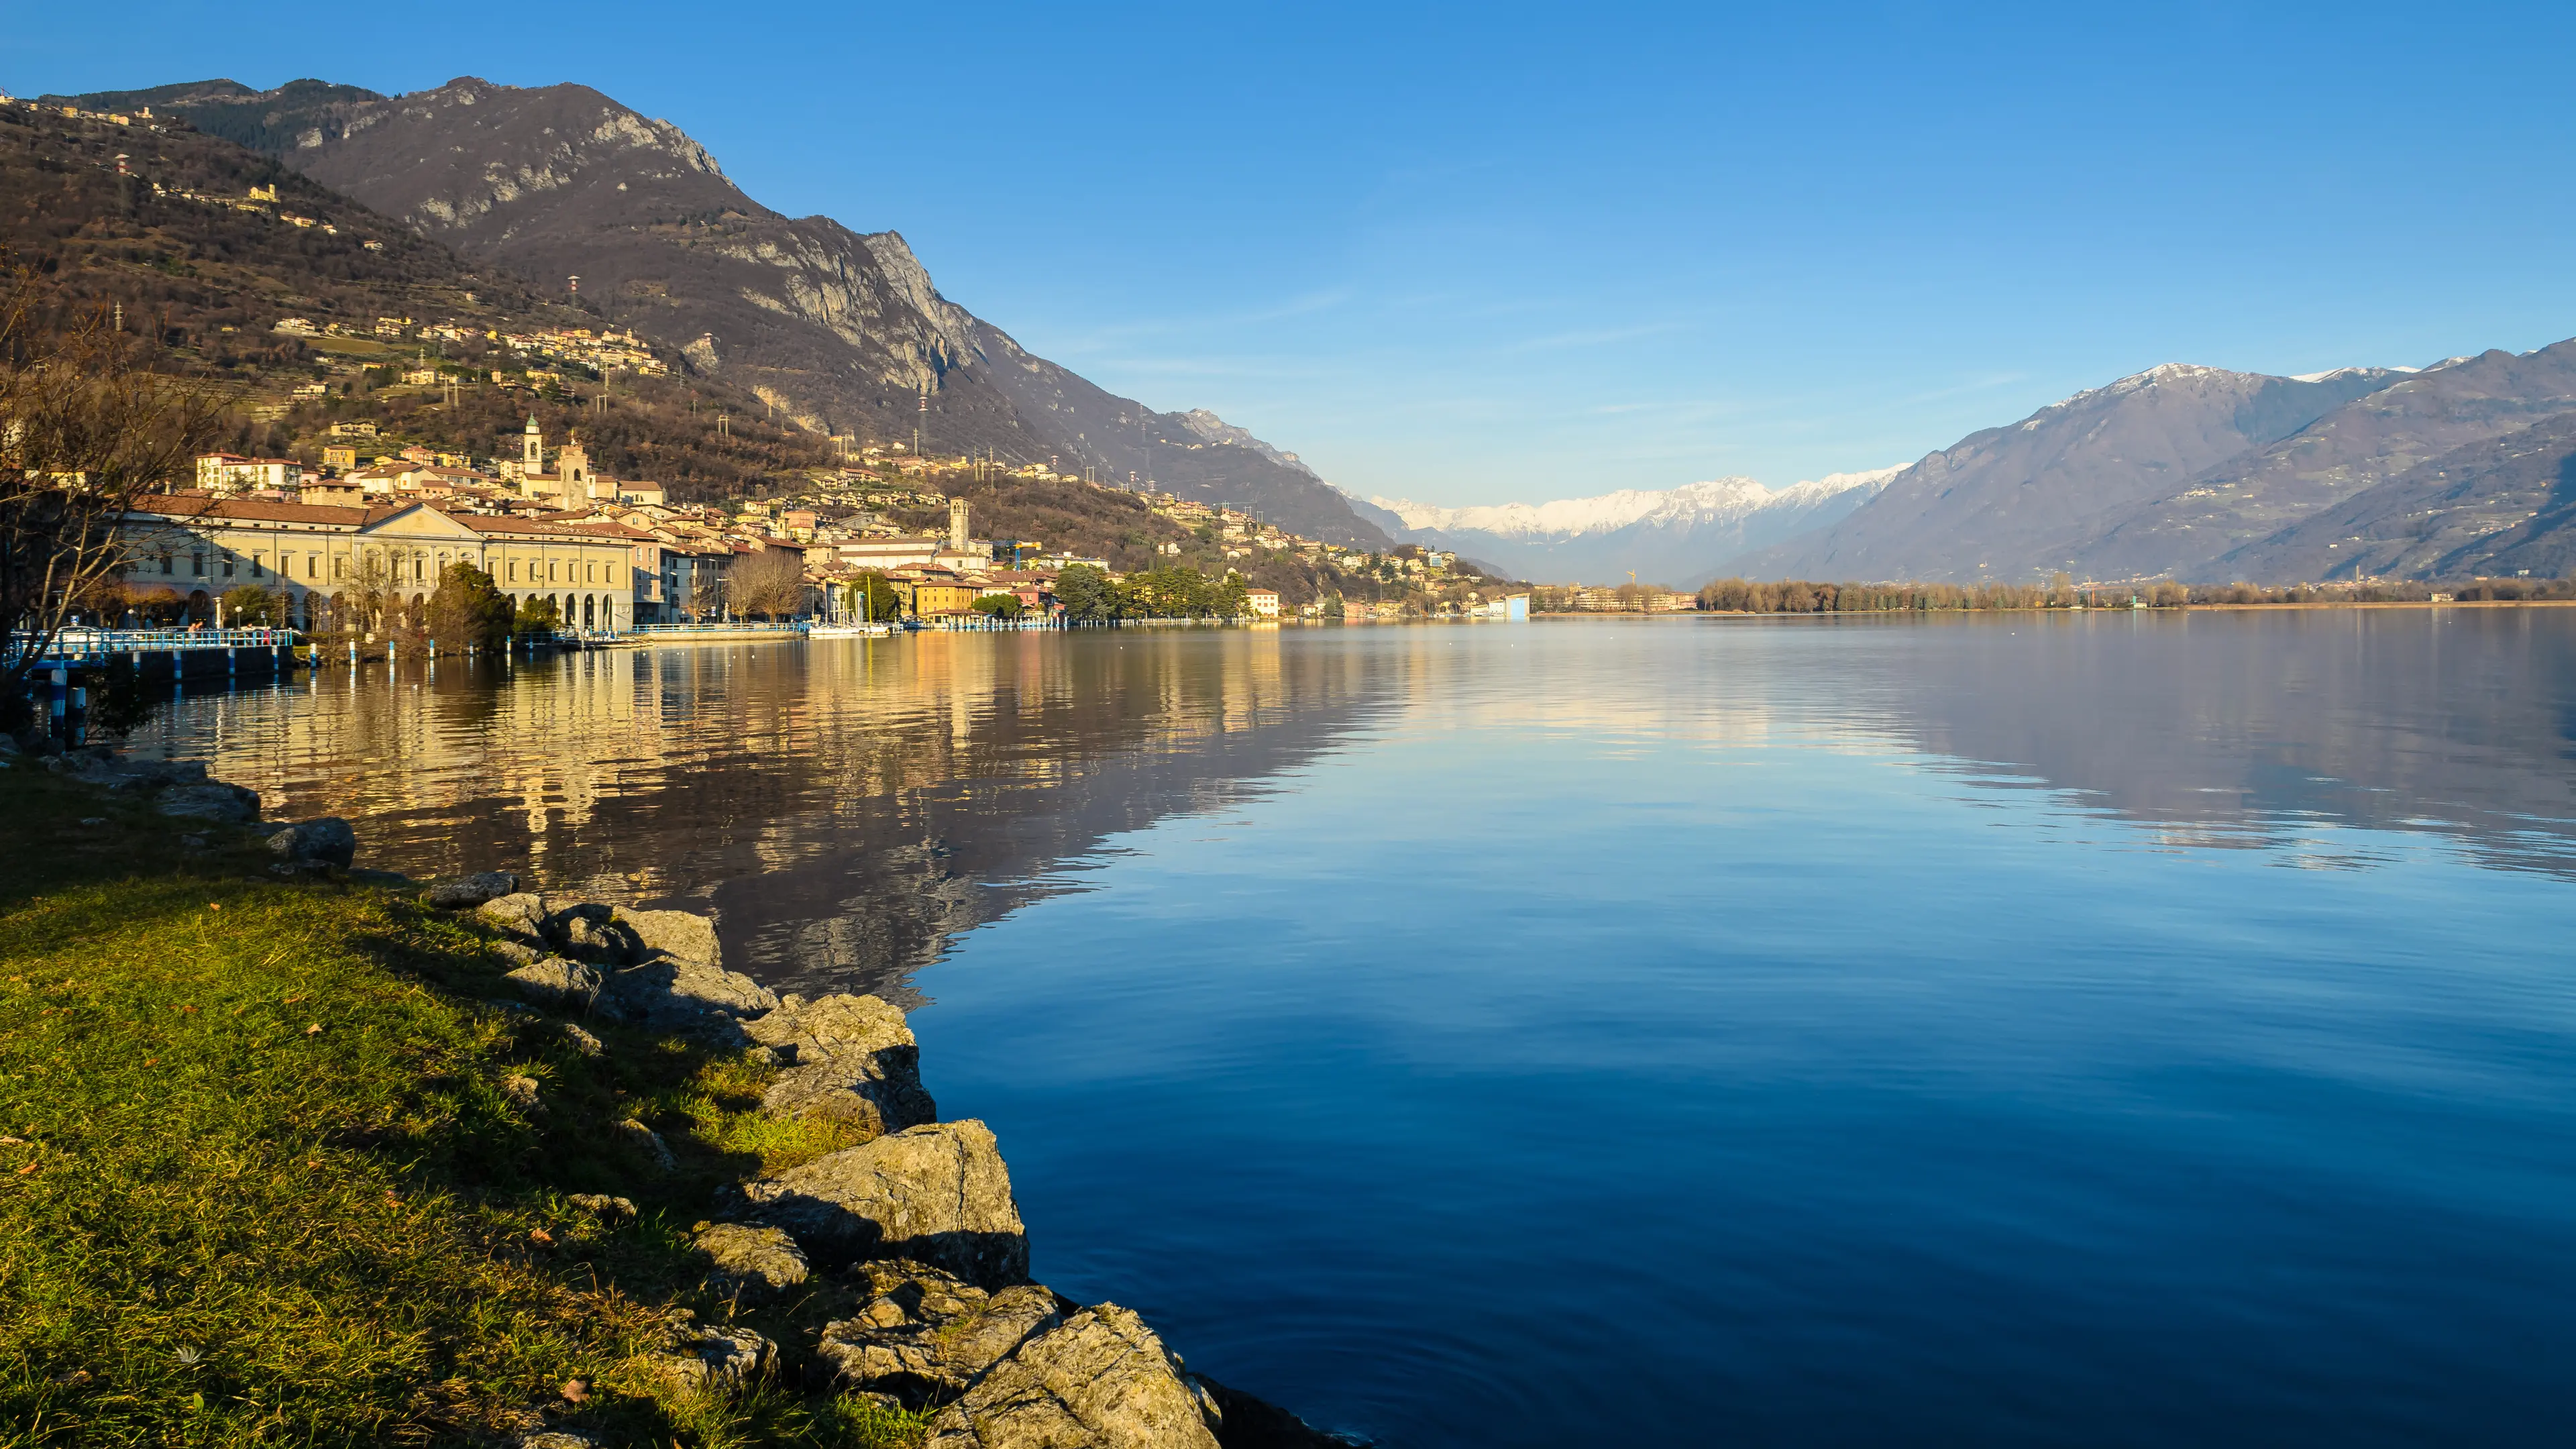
point(274, 1169)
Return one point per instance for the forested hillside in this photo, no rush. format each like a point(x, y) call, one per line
point(155, 229)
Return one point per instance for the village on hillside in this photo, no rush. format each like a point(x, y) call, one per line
point(387, 515)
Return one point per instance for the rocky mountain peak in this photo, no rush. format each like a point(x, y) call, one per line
point(844, 331)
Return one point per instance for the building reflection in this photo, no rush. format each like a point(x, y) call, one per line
point(848, 807)
point(845, 806)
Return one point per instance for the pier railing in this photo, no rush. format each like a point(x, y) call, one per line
point(682, 631)
point(77, 644)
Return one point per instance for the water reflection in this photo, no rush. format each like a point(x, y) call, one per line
point(851, 806)
point(847, 806)
point(2240, 729)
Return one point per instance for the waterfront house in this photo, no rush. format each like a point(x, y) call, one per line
point(191, 547)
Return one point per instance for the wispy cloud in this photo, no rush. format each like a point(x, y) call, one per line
point(1587, 337)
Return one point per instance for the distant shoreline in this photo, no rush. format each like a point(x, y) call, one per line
point(2305, 605)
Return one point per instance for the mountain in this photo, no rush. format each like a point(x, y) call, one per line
point(155, 226)
point(1680, 536)
point(2498, 507)
point(2036, 495)
point(842, 331)
point(2374, 440)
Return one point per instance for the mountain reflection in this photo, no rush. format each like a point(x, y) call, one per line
point(2254, 728)
point(850, 807)
point(845, 806)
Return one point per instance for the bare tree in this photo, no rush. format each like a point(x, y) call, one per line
point(369, 591)
point(770, 582)
point(85, 429)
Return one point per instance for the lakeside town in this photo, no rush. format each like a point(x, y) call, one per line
point(379, 521)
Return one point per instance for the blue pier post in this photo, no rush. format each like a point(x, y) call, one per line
point(61, 680)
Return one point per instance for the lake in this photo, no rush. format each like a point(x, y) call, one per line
point(2118, 1029)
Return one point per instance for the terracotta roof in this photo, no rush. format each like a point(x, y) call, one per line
point(203, 506)
point(538, 527)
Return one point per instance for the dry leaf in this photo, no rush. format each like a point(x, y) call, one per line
point(540, 1235)
point(314, 1030)
point(576, 1390)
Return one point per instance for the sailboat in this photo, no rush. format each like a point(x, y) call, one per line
point(841, 626)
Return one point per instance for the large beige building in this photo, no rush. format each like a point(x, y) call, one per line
point(191, 548)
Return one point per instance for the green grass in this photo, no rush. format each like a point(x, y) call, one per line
point(268, 1184)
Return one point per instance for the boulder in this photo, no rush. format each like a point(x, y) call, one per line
point(557, 982)
point(521, 1090)
point(850, 1058)
point(676, 934)
point(668, 992)
point(938, 1194)
point(924, 1335)
point(749, 1262)
point(554, 1439)
point(460, 892)
point(588, 931)
point(715, 1357)
point(1101, 1380)
point(582, 1041)
point(213, 800)
point(603, 1207)
point(520, 917)
point(327, 841)
point(647, 1141)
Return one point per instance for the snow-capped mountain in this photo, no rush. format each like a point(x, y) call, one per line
point(1679, 536)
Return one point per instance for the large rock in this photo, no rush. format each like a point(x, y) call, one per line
point(328, 840)
point(668, 992)
point(938, 1194)
point(1100, 1381)
point(749, 1262)
point(715, 1357)
point(214, 800)
point(459, 892)
point(588, 931)
point(849, 1058)
point(554, 981)
point(924, 1335)
point(657, 968)
point(676, 934)
point(520, 917)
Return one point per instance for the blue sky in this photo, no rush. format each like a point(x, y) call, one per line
point(1472, 254)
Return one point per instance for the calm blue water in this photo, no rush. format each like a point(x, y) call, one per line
point(2112, 1030)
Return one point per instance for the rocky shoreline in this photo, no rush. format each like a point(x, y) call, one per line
point(913, 1225)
